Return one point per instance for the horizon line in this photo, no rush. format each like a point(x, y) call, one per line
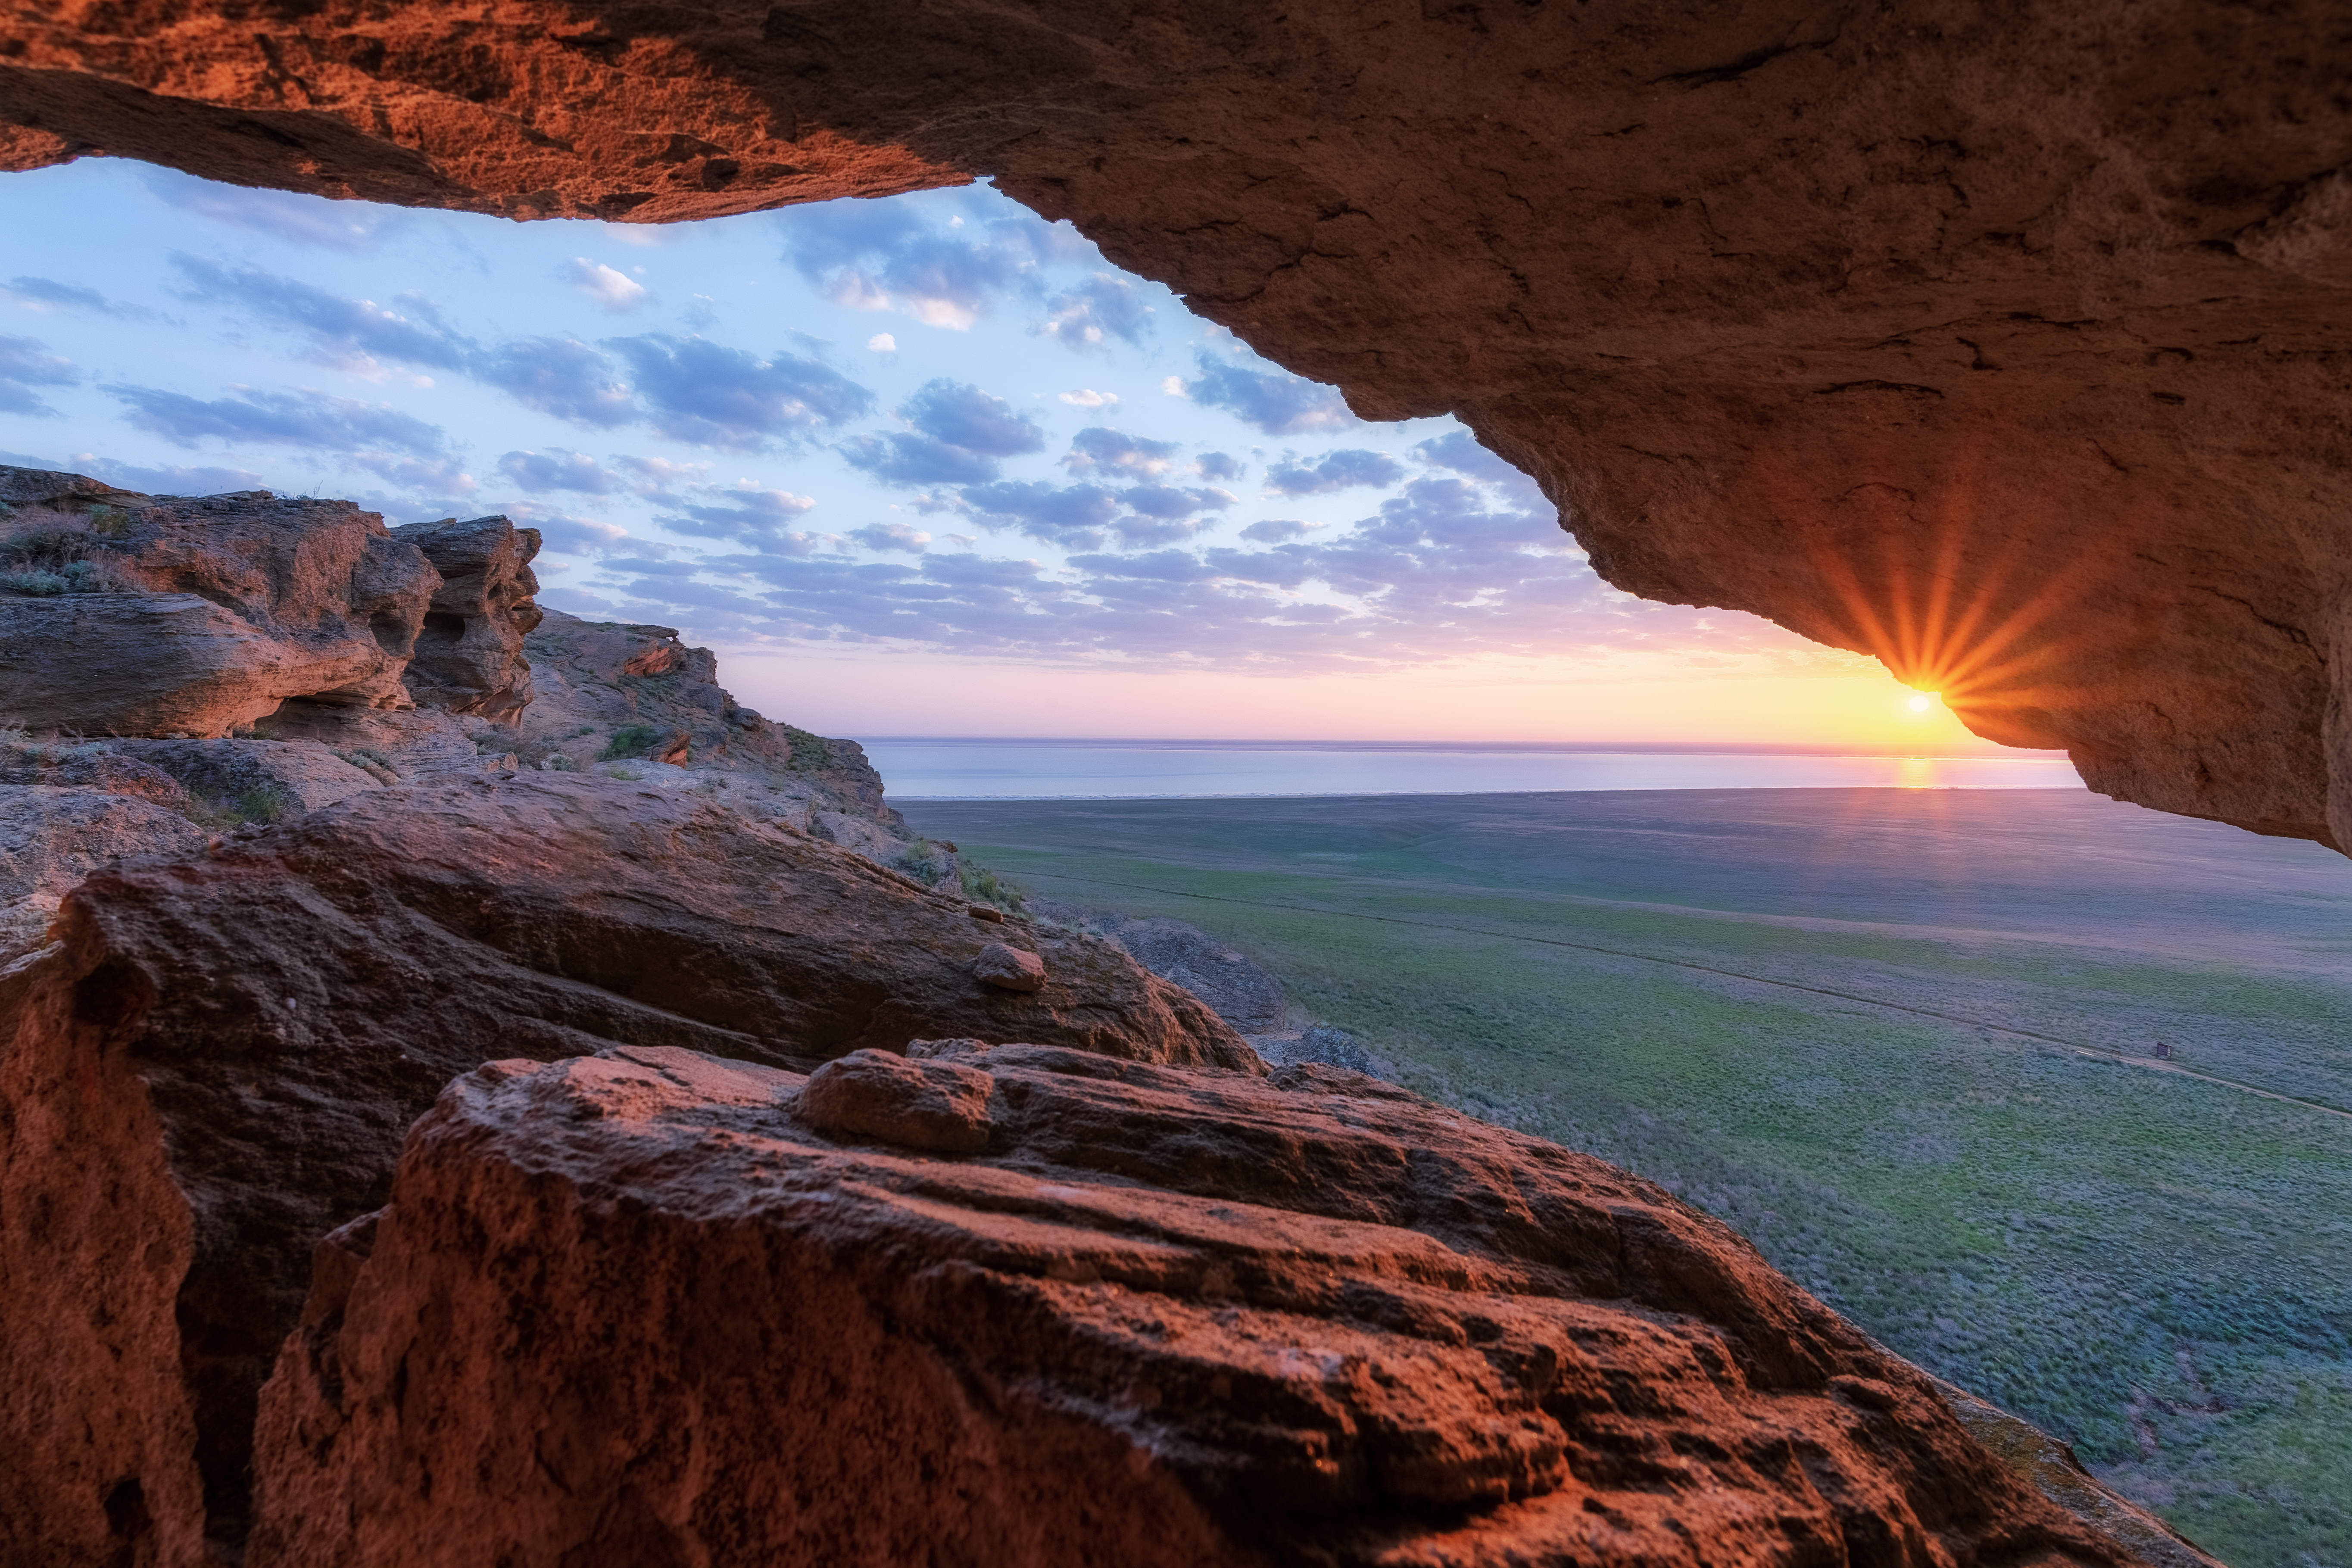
point(1988, 749)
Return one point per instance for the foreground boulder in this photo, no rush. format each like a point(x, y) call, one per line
point(215, 1061)
point(124, 614)
point(654, 1308)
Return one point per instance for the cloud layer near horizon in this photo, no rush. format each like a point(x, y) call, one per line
point(1040, 459)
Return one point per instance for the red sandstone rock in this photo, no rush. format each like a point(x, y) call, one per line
point(640, 1309)
point(1009, 968)
point(222, 608)
point(469, 657)
point(2008, 346)
point(215, 1064)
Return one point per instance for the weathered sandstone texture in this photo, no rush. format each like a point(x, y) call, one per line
point(469, 657)
point(654, 1308)
point(52, 837)
point(270, 778)
point(2007, 344)
point(214, 1063)
point(186, 616)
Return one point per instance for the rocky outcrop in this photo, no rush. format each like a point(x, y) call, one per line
point(613, 695)
point(469, 657)
point(214, 1063)
point(1958, 338)
point(1025, 1304)
point(612, 688)
point(135, 615)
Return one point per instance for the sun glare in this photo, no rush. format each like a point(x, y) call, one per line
point(1921, 702)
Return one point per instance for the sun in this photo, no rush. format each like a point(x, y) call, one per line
point(1921, 702)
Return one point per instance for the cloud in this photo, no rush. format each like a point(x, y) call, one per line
point(614, 290)
point(1144, 532)
point(889, 256)
point(561, 376)
point(1073, 515)
point(892, 536)
point(751, 515)
point(1276, 402)
point(1098, 450)
point(437, 475)
point(1168, 501)
point(45, 294)
point(959, 433)
point(656, 476)
point(1102, 308)
point(26, 364)
point(312, 419)
point(1088, 398)
point(901, 459)
point(350, 227)
point(968, 417)
point(1338, 471)
point(1278, 530)
point(882, 343)
point(352, 334)
point(707, 393)
point(1460, 451)
point(557, 469)
point(563, 533)
point(1218, 466)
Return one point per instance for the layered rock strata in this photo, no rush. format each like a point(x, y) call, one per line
point(214, 1062)
point(136, 614)
point(469, 657)
point(2008, 347)
point(1027, 1304)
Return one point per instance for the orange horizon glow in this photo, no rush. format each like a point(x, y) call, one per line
point(911, 692)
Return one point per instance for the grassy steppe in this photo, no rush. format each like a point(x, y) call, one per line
point(1904, 1041)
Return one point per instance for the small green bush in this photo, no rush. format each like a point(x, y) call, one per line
point(631, 740)
point(810, 753)
point(985, 887)
point(33, 584)
point(923, 860)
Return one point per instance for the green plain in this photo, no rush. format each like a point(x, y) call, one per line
point(1906, 1041)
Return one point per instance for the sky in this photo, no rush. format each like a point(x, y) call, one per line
point(923, 466)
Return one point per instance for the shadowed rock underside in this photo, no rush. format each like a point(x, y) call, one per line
point(2004, 343)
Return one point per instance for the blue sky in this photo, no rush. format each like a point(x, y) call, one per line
point(928, 461)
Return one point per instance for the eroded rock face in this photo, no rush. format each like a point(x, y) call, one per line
point(195, 615)
point(658, 1308)
point(2009, 347)
point(214, 1062)
point(469, 656)
point(52, 837)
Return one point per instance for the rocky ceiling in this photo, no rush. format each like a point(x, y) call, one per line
point(2006, 342)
